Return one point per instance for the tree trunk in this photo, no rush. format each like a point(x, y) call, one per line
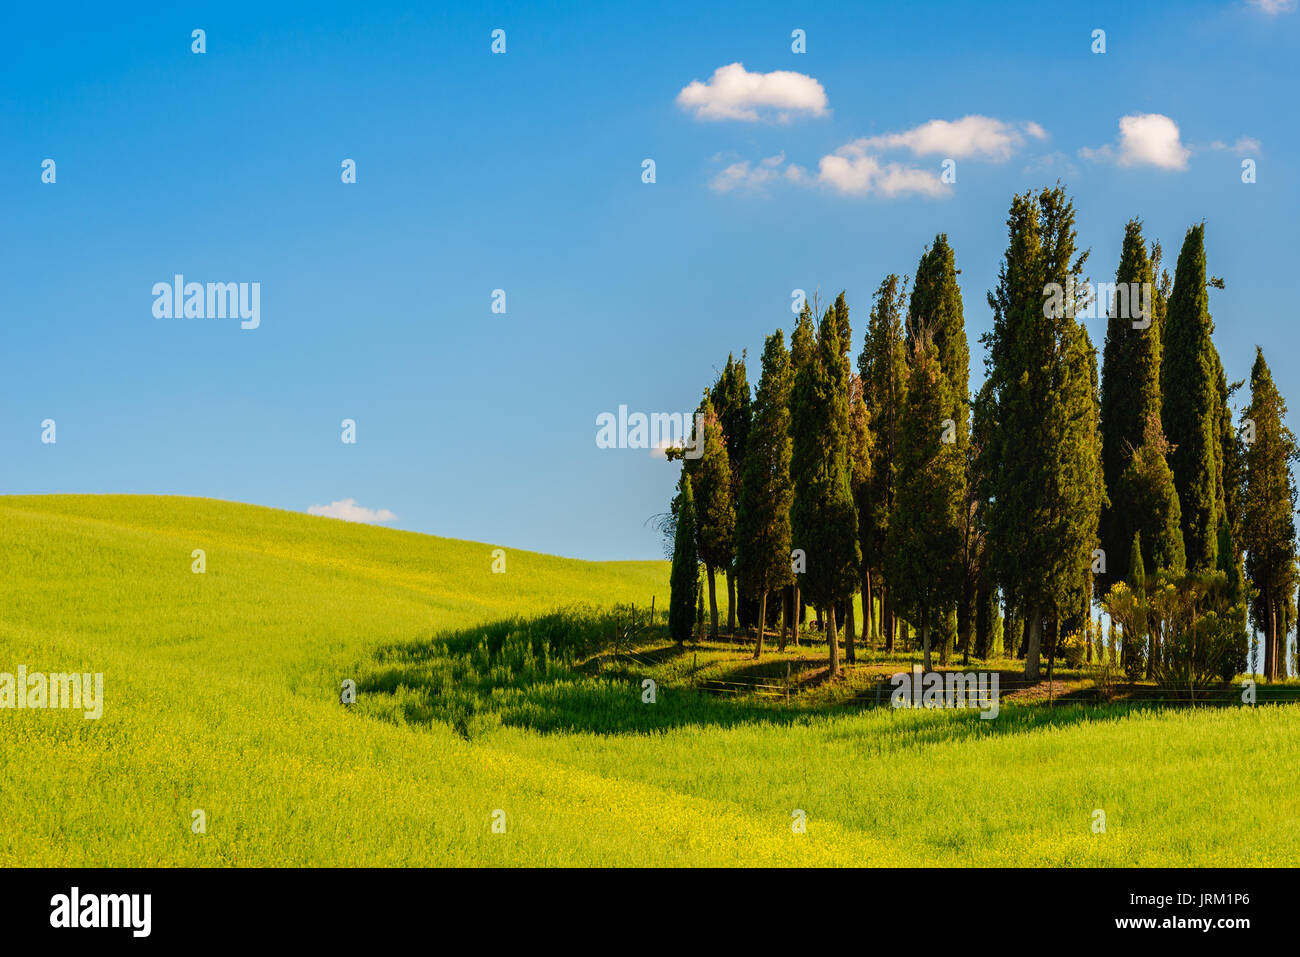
point(1033, 644)
point(983, 620)
point(762, 621)
point(731, 601)
point(850, 631)
point(785, 615)
point(887, 617)
point(925, 638)
point(1272, 640)
point(832, 639)
point(1268, 634)
point(713, 602)
point(868, 612)
point(1153, 651)
point(965, 620)
point(794, 615)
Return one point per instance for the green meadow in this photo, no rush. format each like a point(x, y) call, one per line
point(519, 697)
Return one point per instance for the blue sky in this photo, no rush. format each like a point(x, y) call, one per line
point(523, 171)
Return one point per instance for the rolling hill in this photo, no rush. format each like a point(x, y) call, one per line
point(222, 696)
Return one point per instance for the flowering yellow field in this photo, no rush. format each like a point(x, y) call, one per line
point(223, 741)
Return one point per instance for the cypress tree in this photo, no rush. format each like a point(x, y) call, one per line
point(856, 420)
point(684, 579)
point(935, 308)
point(1190, 410)
point(803, 444)
point(1146, 497)
point(1130, 393)
point(763, 518)
point(1043, 440)
point(1085, 495)
point(1137, 583)
point(1268, 512)
point(715, 515)
point(731, 401)
point(924, 533)
point(861, 451)
point(882, 366)
point(823, 519)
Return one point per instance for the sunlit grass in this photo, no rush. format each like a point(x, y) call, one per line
point(222, 694)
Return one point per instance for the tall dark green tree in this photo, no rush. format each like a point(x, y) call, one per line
point(823, 518)
point(803, 454)
point(715, 514)
point(861, 453)
point(1145, 497)
point(732, 403)
point(858, 444)
point(684, 579)
point(1043, 454)
point(1268, 514)
point(936, 310)
point(1191, 409)
point(924, 539)
point(935, 306)
point(766, 493)
point(882, 367)
point(1130, 392)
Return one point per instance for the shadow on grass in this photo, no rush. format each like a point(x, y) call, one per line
point(592, 671)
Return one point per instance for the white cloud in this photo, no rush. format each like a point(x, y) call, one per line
point(1243, 145)
point(1145, 139)
point(348, 510)
point(973, 136)
point(743, 175)
point(849, 171)
point(1273, 7)
point(733, 93)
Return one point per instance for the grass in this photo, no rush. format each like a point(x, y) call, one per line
point(479, 692)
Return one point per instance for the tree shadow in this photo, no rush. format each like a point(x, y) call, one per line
point(586, 671)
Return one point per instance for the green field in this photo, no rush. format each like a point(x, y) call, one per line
point(222, 694)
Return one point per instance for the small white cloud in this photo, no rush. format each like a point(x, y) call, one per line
point(742, 175)
point(852, 173)
point(1243, 145)
point(348, 510)
point(1273, 7)
point(973, 136)
point(1034, 130)
point(1145, 139)
point(733, 93)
